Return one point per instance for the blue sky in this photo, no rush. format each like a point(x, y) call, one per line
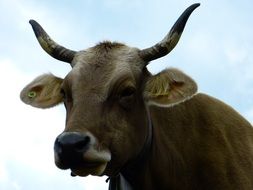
point(216, 49)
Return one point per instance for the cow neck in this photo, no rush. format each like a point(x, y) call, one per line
point(127, 173)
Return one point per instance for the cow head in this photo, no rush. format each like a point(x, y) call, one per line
point(106, 95)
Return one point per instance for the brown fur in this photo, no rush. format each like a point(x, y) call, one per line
point(107, 46)
point(199, 143)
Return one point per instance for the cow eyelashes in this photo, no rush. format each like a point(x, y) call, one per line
point(67, 100)
point(129, 91)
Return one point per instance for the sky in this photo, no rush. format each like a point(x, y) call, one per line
point(216, 49)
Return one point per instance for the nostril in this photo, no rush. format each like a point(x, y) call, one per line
point(81, 145)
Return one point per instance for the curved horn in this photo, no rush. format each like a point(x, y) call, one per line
point(171, 39)
point(52, 48)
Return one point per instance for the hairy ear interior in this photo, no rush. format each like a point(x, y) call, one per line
point(169, 87)
point(43, 91)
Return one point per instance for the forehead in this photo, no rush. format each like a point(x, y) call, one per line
point(103, 64)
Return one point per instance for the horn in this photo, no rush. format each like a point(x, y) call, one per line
point(52, 48)
point(171, 39)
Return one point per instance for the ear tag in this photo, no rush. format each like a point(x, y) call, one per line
point(31, 94)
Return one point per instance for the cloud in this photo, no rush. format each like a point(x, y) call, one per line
point(4, 176)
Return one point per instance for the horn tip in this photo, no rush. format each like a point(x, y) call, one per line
point(38, 30)
point(196, 4)
point(32, 22)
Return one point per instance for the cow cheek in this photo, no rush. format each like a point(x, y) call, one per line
point(123, 146)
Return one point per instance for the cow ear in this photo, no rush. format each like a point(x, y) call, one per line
point(168, 88)
point(43, 91)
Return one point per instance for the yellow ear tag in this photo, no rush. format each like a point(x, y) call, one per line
point(31, 94)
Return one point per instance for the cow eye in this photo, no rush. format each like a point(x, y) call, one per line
point(63, 94)
point(67, 99)
point(127, 97)
point(129, 91)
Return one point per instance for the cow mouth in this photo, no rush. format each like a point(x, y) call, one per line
point(91, 162)
point(89, 168)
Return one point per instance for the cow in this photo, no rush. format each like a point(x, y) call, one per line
point(143, 131)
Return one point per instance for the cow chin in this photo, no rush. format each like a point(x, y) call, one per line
point(96, 170)
point(94, 163)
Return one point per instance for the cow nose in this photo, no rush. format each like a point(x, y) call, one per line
point(69, 148)
point(71, 141)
